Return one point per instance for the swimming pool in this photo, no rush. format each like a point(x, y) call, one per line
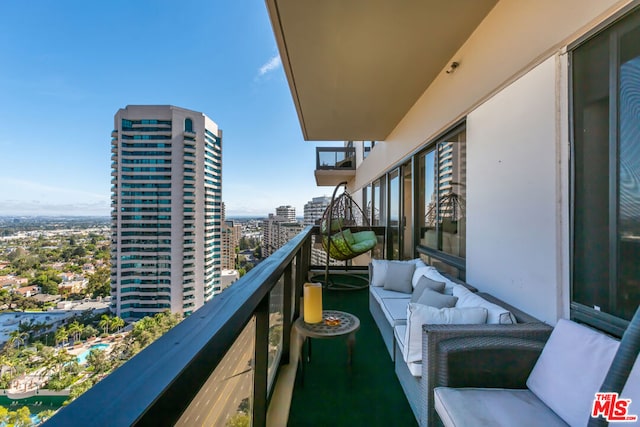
point(82, 357)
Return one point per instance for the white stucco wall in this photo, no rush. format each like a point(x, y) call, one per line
point(514, 37)
point(514, 194)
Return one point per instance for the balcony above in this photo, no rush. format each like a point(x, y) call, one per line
point(334, 165)
point(356, 67)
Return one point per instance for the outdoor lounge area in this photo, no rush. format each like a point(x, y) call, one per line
point(506, 159)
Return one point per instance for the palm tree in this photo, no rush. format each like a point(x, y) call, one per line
point(61, 358)
point(116, 323)
point(75, 329)
point(105, 322)
point(61, 335)
point(16, 336)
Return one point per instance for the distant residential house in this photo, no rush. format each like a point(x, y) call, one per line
point(10, 282)
point(28, 291)
point(88, 268)
point(73, 286)
point(46, 298)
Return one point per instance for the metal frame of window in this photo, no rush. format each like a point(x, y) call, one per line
point(589, 315)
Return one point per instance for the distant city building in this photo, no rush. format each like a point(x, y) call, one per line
point(228, 277)
point(230, 240)
point(166, 210)
point(278, 230)
point(314, 209)
point(287, 212)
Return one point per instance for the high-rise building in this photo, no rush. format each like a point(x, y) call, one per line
point(314, 209)
point(230, 239)
point(166, 210)
point(287, 212)
point(276, 231)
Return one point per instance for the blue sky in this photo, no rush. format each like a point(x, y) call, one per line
point(66, 67)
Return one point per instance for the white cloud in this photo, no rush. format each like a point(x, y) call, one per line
point(272, 64)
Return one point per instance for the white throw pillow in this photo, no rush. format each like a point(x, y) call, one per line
point(418, 315)
point(570, 370)
point(496, 315)
point(379, 269)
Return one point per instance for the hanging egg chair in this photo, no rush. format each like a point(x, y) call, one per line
point(338, 239)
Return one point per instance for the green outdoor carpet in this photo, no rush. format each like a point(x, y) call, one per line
point(370, 396)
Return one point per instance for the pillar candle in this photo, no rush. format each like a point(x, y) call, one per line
point(312, 302)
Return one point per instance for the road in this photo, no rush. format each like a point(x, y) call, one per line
point(219, 398)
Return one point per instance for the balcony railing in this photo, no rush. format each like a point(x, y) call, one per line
point(223, 357)
point(335, 158)
point(334, 165)
point(185, 376)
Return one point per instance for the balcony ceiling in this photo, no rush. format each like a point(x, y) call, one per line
point(355, 67)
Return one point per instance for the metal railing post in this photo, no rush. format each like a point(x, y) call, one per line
point(261, 359)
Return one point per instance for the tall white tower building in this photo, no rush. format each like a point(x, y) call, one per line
point(314, 209)
point(166, 210)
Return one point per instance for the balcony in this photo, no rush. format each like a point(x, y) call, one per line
point(235, 353)
point(334, 165)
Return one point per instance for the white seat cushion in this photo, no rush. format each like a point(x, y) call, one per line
point(492, 407)
point(570, 370)
point(395, 310)
point(379, 293)
point(400, 333)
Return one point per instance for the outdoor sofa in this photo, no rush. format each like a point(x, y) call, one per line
point(428, 355)
point(558, 390)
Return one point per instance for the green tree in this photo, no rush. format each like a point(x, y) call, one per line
point(105, 323)
point(46, 414)
point(20, 418)
point(116, 323)
point(61, 335)
point(16, 337)
point(100, 283)
point(98, 361)
point(75, 329)
point(79, 252)
point(88, 332)
point(239, 420)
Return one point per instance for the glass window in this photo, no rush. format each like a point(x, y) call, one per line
point(394, 215)
point(366, 203)
point(376, 202)
point(188, 125)
point(606, 142)
point(442, 195)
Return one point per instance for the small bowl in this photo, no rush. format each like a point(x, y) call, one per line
point(331, 321)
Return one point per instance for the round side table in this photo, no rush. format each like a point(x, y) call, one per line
point(349, 325)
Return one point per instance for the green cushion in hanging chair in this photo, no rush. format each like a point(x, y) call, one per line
point(336, 225)
point(346, 245)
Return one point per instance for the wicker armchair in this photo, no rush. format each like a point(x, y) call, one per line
point(500, 355)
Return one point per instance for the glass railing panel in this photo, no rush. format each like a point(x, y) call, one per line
point(226, 397)
point(339, 158)
point(276, 306)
